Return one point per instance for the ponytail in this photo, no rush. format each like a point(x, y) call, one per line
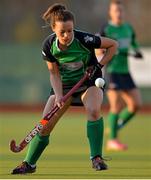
point(57, 12)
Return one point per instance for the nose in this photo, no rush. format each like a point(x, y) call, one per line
point(65, 35)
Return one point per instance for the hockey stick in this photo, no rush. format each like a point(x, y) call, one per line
point(17, 148)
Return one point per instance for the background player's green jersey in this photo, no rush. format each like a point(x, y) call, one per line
point(125, 36)
point(78, 56)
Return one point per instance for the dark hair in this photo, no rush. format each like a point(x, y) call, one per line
point(57, 12)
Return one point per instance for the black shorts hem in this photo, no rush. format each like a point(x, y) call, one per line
point(118, 81)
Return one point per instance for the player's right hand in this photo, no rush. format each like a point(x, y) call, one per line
point(58, 101)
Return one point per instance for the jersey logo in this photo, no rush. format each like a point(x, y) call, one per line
point(88, 38)
point(72, 66)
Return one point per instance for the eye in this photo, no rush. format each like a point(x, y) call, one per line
point(62, 32)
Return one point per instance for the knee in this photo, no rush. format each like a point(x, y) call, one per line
point(116, 109)
point(137, 106)
point(134, 107)
point(93, 113)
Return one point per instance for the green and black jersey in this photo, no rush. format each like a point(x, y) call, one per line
point(125, 36)
point(76, 58)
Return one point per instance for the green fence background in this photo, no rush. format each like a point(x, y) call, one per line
point(24, 77)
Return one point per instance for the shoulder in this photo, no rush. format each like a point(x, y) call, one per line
point(103, 29)
point(48, 41)
point(130, 28)
point(128, 25)
point(46, 46)
point(86, 38)
point(82, 34)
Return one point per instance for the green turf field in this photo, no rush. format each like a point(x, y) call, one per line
point(67, 155)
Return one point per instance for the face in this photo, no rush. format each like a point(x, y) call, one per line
point(64, 31)
point(116, 13)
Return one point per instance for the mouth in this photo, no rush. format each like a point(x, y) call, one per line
point(66, 40)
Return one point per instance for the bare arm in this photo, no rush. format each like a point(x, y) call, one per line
point(56, 82)
point(111, 48)
point(99, 53)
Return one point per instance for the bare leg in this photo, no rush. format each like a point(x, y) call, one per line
point(116, 105)
point(114, 101)
point(92, 100)
point(49, 105)
point(133, 101)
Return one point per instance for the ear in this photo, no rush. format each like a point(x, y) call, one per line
point(53, 28)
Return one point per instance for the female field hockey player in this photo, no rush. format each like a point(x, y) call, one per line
point(67, 53)
point(120, 82)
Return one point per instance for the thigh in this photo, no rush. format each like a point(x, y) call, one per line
point(115, 101)
point(92, 97)
point(49, 105)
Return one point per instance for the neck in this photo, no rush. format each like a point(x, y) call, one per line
point(117, 23)
point(62, 47)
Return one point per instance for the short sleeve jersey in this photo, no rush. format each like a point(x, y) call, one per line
point(75, 59)
point(125, 36)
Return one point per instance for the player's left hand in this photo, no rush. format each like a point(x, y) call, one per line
point(95, 70)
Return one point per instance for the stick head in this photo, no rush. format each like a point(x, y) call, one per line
point(13, 146)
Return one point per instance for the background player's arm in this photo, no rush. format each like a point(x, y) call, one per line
point(111, 48)
point(55, 81)
point(135, 45)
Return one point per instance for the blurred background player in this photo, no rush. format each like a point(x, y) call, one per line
point(68, 53)
point(121, 87)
